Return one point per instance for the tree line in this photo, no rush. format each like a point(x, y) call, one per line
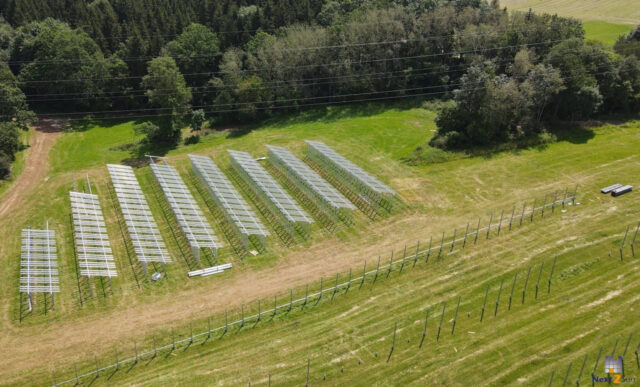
point(183, 63)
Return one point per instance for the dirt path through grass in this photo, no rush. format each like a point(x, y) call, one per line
point(36, 165)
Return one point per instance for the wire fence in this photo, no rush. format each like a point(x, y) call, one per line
point(409, 257)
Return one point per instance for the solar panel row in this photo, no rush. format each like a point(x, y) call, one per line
point(309, 181)
point(189, 215)
point(349, 173)
point(240, 215)
point(93, 250)
point(271, 192)
point(39, 262)
point(143, 229)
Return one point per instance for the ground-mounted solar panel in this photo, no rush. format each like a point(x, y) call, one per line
point(354, 177)
point(93, 250)
point(279, 202)
point(143, 229)
point(243, 219)
point(39, 263)
point(332, 202)
point(190, 217)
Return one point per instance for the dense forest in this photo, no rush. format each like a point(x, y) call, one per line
point(188, 62)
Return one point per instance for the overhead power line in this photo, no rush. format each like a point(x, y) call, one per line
point(342, 63)
point(205, 107)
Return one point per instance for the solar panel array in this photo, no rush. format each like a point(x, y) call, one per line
point(351, 174)
point(240, 215)
point(309, 181)
point(272, 193)
point(190, 218)
point(143, 229)
point(39, 262)
point(93, 250)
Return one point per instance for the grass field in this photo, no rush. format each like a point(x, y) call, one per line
point(607, 33)
point(524, 344)
point(612, 11)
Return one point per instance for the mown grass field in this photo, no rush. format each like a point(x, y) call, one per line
point(607, 33)
point(591, 302)
point(613, 11)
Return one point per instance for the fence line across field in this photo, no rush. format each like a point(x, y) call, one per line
point(302, 301)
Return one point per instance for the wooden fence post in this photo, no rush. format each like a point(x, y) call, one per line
point(495, 312)
point(466, 231)
point(595, 367)
point(306, 295)
point(429, 249)
point(259, 311)
point(375, 277)
point(526, 281)
point(453, 241)
point(500, 223)
point(566, 376)
point(393, 342)
point(424, 330)
point(538, 282)
point(475, 240)
point(513, 286)
point(415, 259)
point(444, 308)
point(321, 291)
point(489, 226)
point(335, 288)
point(581, 370)
point(455, 318)
point(364, 271)
point(551, 274)
point(623, 241)
point(484, 304)
point(633, 240)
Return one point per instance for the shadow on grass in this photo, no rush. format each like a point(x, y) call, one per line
point(572, 132)
point(89, 123)
point(324, 114)
point(140, 150)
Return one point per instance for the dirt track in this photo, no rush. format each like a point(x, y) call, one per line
point(35, 167)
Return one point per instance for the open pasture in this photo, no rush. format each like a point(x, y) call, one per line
point(435, 198)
